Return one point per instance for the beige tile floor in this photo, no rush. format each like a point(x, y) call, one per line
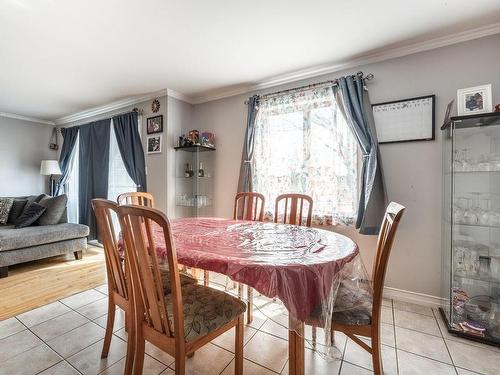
point(65, 337)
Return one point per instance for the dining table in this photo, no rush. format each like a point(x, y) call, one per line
point(297, 265)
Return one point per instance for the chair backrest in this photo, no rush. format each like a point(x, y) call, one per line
point(249, 206)
point(137, 226)
point(104, 210)
point(136, 198)
point(392, 216)
point(293, 212)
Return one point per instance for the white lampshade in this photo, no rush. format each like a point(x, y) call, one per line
point(49, 167)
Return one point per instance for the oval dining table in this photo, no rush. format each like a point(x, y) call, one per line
point(298, 265)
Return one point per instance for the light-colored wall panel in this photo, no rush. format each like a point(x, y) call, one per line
point(23, 145)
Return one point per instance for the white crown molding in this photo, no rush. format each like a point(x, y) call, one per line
point(25, 118)
point(96, 111)
point(179, 96)
point(363, 60)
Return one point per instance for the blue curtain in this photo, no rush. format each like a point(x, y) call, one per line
point(354, 102)
point(130, 145)
point(245, 180)
point(93, 171)
point(65, 159)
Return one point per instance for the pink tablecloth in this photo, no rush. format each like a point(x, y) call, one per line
point(298, 265)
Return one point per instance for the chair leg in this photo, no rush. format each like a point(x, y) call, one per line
point(140, 347)
point(250, 305)
point(314, 337)
point(238, 346)
point(129, 360)
point(206, 278)
point(109, 327)
point(377, 356)
point(78, 254)
point(180, 362)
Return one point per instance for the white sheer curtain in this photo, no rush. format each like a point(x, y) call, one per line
point(303, 145)
point(119, 179)
point(71, 187)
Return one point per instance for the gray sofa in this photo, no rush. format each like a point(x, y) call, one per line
point(39, 242)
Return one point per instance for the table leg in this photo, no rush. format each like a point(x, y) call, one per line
point(295, 347)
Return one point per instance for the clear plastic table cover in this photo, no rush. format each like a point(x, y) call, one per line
point(302, 267)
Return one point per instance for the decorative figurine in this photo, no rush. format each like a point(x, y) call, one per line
point(194, 137)
point(208, 139)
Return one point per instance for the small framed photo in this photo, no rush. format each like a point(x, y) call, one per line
point(155, 124)
point(474, 100)
point(154, 144)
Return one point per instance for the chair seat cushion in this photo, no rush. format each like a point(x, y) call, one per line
point(353, 305)
point(184, 277)
point(205, 309)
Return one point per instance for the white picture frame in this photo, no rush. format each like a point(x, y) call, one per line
point(153, 144)
point(474, 100)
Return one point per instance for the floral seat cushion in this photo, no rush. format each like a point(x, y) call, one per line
point(205, 309)
point(165, 277)
point(353, 305)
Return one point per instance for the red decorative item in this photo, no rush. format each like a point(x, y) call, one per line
point(497, 108)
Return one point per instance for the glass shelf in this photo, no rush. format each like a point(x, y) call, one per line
point(471, 263)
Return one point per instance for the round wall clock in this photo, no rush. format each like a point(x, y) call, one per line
point(155, 106)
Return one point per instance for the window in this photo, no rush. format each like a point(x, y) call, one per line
point(71, 188)
point(303, 145)
point(119, 180)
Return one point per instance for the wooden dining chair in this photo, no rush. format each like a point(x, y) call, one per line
point(248, 206)
point(118, 287)
point(184, 320)
point(296, 205)
point(357, 312)
point(138, 198)
point(117, 269)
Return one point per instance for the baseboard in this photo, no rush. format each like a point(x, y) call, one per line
point(412, 297)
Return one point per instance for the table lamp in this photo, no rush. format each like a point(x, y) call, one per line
point(50, 168)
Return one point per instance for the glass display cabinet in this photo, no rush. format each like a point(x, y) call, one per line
point(471, 227)
point(194, 173)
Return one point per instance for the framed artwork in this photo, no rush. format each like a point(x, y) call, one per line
point(155, 124)
point(405, 120)
point(474, 100)
point(154, 144)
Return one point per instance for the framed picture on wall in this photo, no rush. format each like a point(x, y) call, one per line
point(154, 144)
point(474, 100)
point(405, 120)
point(155, 124)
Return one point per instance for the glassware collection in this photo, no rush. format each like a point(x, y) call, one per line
point(471, 233)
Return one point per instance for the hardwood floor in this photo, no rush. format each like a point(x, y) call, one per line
point(38, 283)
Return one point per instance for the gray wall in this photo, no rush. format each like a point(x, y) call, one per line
point(23, 145)
point(412, 170)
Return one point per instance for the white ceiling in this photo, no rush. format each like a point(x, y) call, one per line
point(58, 57)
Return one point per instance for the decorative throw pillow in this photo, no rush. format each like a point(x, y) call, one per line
point(54, 210)
point(5, 206)
point(30, 214)
point(16, 210)
point(36, 198)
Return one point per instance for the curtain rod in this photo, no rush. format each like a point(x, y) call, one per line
point(368, 77)
point(137, 110)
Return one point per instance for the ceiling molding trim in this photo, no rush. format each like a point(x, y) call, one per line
point(25, 118)
point(410, 49)
point(179, 96)
point(96, 111)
